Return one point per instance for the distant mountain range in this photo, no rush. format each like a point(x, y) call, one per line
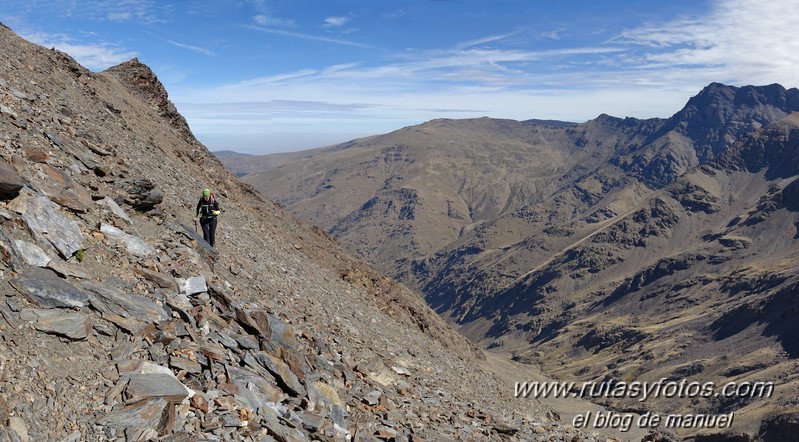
point(615, 248)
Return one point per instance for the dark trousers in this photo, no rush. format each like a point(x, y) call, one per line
point(209, 229)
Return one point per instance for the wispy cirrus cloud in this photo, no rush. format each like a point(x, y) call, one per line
point(737, 42)
point(305, 36)
point(484, 40)
point(192, 48)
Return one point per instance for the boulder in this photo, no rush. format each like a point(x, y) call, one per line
point(140, 418)
point(108, 299)
point(114, 208)
point(151, 381)
point(10, 182)
point(45, 289)
point(286, 379)
point(141, 194)
point(160, 279)
point(72, 325)
point(192, 286)
point(31, 253)
point(43, 218)
point(61, 188)
point(132, 244)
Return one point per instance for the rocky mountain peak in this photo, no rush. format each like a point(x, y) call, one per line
point(719, 114)
point(141, 81)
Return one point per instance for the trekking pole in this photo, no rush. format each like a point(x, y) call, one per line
point(195, 226)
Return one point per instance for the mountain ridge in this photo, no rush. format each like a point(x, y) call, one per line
point(542, 241)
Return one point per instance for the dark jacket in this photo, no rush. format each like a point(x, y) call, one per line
point(206, 208)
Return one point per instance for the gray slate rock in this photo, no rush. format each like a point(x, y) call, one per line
point(73, 325)
point(193, 285)
point(10, 182)
point(199, 244)
point(114, 208)
point(31, 253)
point(149, 380)
point(44, 219)
point(136, 418)
point(45, 289)
point(106, 298)
point(132, 244)
point(254, 391)
point(283, 374)
point(161, 279)
point(19, 426)
point(8, 435)
point(141, 194)
point(156, 385)
point(66, 268)
point(9, 252)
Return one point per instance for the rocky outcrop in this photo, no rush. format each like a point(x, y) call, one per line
point(142, 82)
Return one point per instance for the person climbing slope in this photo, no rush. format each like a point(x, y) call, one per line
point(207, 210)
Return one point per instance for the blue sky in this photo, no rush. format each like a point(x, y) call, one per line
point(261, 76)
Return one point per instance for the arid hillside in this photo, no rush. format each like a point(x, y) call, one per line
point(118, 322)
point(616, 249)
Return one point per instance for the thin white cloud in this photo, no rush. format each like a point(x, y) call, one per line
point(484, 40)
point(274, 79)
point(119, 16)
point(309, 37)
point(556, 34)
point(336, 21)
point(267, 20)
point(97, 56)
point(192, 48)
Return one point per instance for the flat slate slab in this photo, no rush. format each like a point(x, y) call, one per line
point(193, 285)
point(151, 381)
point(132, 244)
point(72, 325)
point(45, 289)
point(45, 220)
point(31, 253)
point(106, 298)
point(136, 418)
point(156, 385)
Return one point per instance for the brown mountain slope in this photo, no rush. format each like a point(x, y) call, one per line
point(412, 192)
point(609, 249)
point(698, 281)
point(118, 323)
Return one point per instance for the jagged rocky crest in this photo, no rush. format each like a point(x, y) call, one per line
point(117, 322)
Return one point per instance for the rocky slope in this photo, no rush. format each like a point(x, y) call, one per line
point(119, 323)
point(616, 248)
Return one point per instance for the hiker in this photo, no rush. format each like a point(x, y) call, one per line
point(207, 210)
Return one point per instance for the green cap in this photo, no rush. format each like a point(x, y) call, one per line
point(206, 192)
